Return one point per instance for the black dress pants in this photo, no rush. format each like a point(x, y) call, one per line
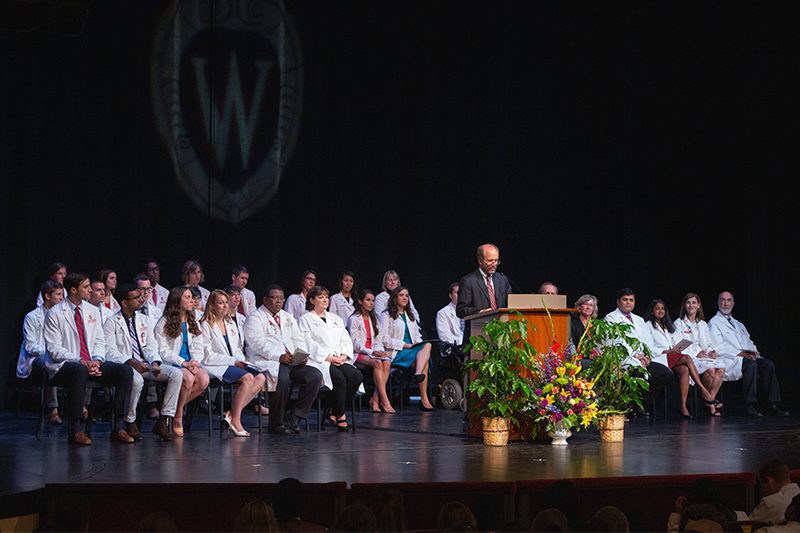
point(764, 369)
point(72, 376)
point(346, 379)
point(309, 379)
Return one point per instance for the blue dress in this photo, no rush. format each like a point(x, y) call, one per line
point(407, 357)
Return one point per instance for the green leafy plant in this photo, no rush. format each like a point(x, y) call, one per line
point(607, 345)
point(506, 360)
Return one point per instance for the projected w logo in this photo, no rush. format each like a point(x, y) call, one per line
point(232, 102)
point(227, 88)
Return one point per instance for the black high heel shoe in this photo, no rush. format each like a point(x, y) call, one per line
point(342, 428)
point(685, 417)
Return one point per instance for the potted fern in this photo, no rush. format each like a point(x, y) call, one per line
point(607, 345)
point(500, 377)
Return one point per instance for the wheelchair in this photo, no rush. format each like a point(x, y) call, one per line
point(447, 374)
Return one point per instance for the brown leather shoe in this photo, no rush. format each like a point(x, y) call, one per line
point(55, 419)
point(121, 436)
point(162, 430)
point(133, 431)
point(80, 438)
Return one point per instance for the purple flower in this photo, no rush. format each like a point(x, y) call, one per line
point(538, 392)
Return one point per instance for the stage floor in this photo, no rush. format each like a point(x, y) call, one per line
point(405, 447)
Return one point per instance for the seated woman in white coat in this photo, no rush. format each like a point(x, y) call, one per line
point(192, 274)
point(658, 319)
point(391, 280)
point(181, 345)
point(331, 351)
point(692, 326)
point(402, 341)
point(343, 302)
point(364, 332)
point(296, 303)
point(224, 360)
point(109, 279)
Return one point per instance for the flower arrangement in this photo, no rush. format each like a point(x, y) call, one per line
point(560, 396)
point(607, 345)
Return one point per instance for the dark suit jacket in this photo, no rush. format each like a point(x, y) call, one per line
point(473, 295)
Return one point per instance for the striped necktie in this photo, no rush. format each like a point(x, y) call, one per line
point(492, 299)
point(81, 334)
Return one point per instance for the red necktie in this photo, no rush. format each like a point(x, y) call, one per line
point(81, 334)
point(629, 318)
point(155, 297)
point(492, 299)
point(241, 306)
point(277, 320)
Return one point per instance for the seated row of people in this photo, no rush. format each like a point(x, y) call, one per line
point(79, 339)
point(721, 350)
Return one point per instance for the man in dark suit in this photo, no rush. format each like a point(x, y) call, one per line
point(483, 289)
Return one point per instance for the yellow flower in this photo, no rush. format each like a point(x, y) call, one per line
point(560, 371)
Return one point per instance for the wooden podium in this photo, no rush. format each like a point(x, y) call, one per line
point(541, 339)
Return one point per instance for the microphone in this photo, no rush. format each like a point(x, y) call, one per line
point(519, 291)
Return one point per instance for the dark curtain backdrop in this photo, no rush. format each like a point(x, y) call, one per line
point(633, 144)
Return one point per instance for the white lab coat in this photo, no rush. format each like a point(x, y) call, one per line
point(105, 312)
point(358, 336)
point(118, 339)
point(61, 335)
point(382, 303)
point(295, 305)
point(324, 338)
point(265, 342)
point(698, 333)
point(204, 294)
point(152, 310)
point(641, 332)
point(449, 327)
point(169, 348)
point(162, 295)
point(729, 340)
point(113, 304)
point(393, 332)
point(33, 345)
point(341, 307)
point(216, 358)
point(662, 340)
point(248, 301)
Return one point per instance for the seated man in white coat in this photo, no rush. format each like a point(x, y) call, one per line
point(742, 360)
point(239, 278)
point(145, 287)
point(31, 354)
point(271, 336)
point(449, 327)
point(76, 350)
point(130, 341)
point(659, 372)
point(97, 299)
point(160, 294)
